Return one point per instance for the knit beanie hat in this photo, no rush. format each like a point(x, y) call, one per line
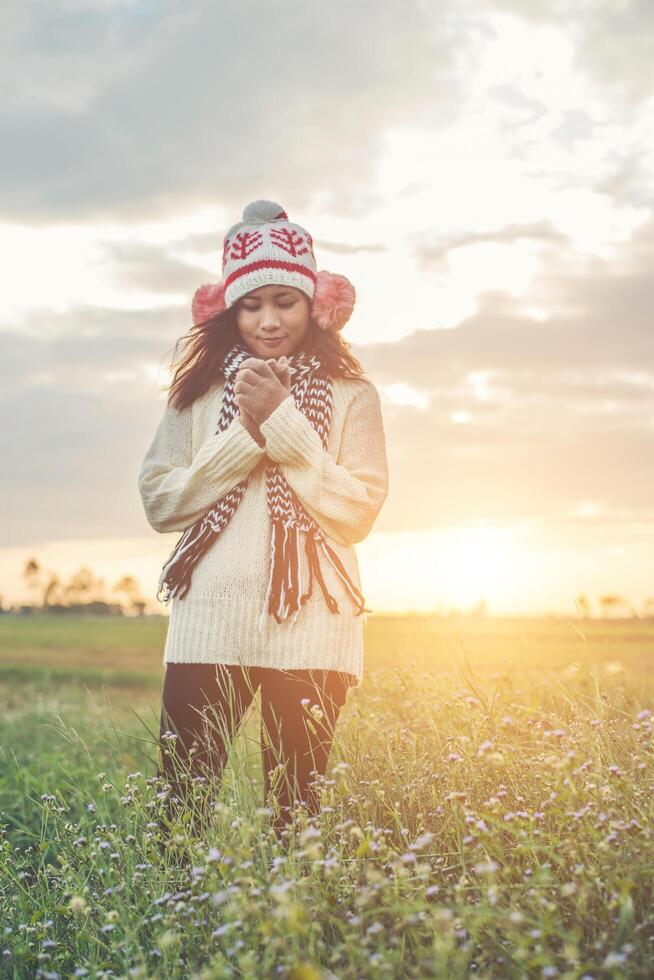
point(266, 248)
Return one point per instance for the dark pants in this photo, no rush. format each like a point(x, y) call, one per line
point(204, 704)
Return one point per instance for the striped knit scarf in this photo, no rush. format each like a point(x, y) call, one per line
point(311, 389)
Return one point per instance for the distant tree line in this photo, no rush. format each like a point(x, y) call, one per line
point(82, 592)
point(612, 604)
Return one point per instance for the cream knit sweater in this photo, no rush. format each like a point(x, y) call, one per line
point(188, 467)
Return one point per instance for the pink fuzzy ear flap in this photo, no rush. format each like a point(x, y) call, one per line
point(207, 301)
point(333, 301)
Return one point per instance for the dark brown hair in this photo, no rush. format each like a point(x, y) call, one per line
point(206, 344)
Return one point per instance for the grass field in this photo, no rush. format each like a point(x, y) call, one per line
point(487, 810)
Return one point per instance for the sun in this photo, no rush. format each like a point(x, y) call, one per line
point(481, 561)
point(454, 567)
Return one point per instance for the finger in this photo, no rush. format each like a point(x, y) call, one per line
point(255, 364)
point(244, 385)
point(256, 377)
point(251, 376)
point(278, 370)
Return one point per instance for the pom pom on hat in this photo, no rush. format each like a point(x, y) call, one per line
point(261, 212)
point(333, 301)
point(207, 301)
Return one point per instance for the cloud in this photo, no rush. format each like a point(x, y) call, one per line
point(129, 111)
point(153, 268)
point(434, 256)
point(613, 42)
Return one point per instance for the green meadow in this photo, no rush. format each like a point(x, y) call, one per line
point(487, 811)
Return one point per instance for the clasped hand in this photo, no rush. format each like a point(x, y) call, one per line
point(259, 388)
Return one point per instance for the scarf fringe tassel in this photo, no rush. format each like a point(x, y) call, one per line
point(284, 595)
point(175, 578)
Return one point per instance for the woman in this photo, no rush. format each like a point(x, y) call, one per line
point(271, 458)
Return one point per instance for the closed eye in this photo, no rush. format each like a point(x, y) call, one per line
point(284, 306)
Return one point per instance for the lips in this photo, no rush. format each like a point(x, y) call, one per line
point(271, 341)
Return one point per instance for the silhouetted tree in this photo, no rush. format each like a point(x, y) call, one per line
point(583, 604)
point(52, 596)
point(609, 602)
point(32, 576)
point(131, 589)
point(84, 587)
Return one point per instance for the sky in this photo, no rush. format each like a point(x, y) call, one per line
point(481, 170)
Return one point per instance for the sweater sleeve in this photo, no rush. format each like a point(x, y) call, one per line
point(178, 488)
point(344, 496)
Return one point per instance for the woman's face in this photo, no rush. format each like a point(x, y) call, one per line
point(279, 313)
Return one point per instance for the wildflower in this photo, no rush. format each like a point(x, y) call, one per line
point(484, 747)
point(486, 867)
point(168, 939)
point(77, 905)
point(613, 959)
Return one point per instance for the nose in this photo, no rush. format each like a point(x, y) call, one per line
point(269, 318)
